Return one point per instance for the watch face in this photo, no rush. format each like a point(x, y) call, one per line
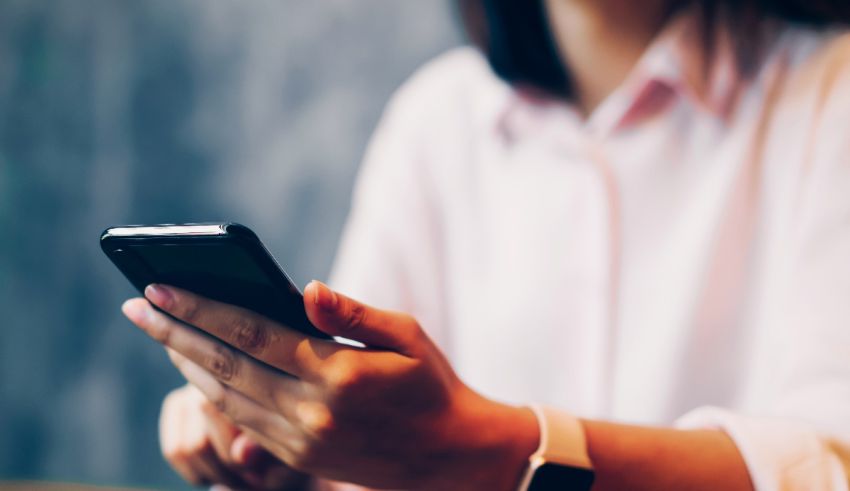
point(554, 477)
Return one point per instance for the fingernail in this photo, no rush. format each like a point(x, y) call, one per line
point(136, 311)
point(161, 296)
point(325, 298)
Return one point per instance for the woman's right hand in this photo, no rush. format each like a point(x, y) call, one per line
point(204, 447)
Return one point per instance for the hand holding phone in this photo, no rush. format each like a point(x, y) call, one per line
point(387, 416)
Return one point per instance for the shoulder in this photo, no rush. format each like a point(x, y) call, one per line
point(455, 86)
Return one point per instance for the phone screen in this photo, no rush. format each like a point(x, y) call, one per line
point(202, 261)
point(222, 271)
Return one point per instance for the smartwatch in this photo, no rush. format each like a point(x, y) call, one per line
point(561, 462)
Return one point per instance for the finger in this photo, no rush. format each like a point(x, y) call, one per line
point(179, 437)
point(221, 432)
point(277, 392)
point(338, 315)
point(223, 435)
point(246, 331)
point(237, 370)
point(278, 448)
point(243, 411)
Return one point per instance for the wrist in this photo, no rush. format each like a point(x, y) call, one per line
point(494, 442)
point(521, 439)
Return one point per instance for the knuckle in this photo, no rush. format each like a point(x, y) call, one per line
point(413, 333)
point(345, 378)
point(223, 363)
point(206, 406)
point(219, 400)
point(411, 322)
point(411, 325)
point(191, 310)
point(317, 420)
point(356, 316)
point(289, 354)
point(346, 381)
point(162, 329)
point(250, 336)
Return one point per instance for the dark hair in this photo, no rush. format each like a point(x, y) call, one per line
point(515, 34)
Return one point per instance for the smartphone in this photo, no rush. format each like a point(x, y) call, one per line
point(226, 262)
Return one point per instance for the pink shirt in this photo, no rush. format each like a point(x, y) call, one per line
point(681, 257)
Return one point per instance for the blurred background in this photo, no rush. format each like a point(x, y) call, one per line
point(128, 111)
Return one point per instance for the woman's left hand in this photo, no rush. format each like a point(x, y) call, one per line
point(390, 415)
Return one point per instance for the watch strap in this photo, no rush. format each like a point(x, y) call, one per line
point(562, 443)
point(562, 438)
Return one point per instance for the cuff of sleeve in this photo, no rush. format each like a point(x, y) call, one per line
point(780, 454)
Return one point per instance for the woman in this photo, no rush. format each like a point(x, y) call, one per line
point(637, 212)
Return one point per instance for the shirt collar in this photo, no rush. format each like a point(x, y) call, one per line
point(674, 65)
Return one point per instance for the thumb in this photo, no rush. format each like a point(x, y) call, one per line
point(338, 315)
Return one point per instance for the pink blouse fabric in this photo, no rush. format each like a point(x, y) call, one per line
point(679, 257)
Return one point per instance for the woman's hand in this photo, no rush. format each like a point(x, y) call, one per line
point(205, 447)
point(390, 415)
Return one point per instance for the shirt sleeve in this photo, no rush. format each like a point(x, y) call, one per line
point(798, 437)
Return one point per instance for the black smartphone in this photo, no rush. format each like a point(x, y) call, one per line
point(226, 262)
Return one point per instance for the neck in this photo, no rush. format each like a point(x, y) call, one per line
point(600, 41)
